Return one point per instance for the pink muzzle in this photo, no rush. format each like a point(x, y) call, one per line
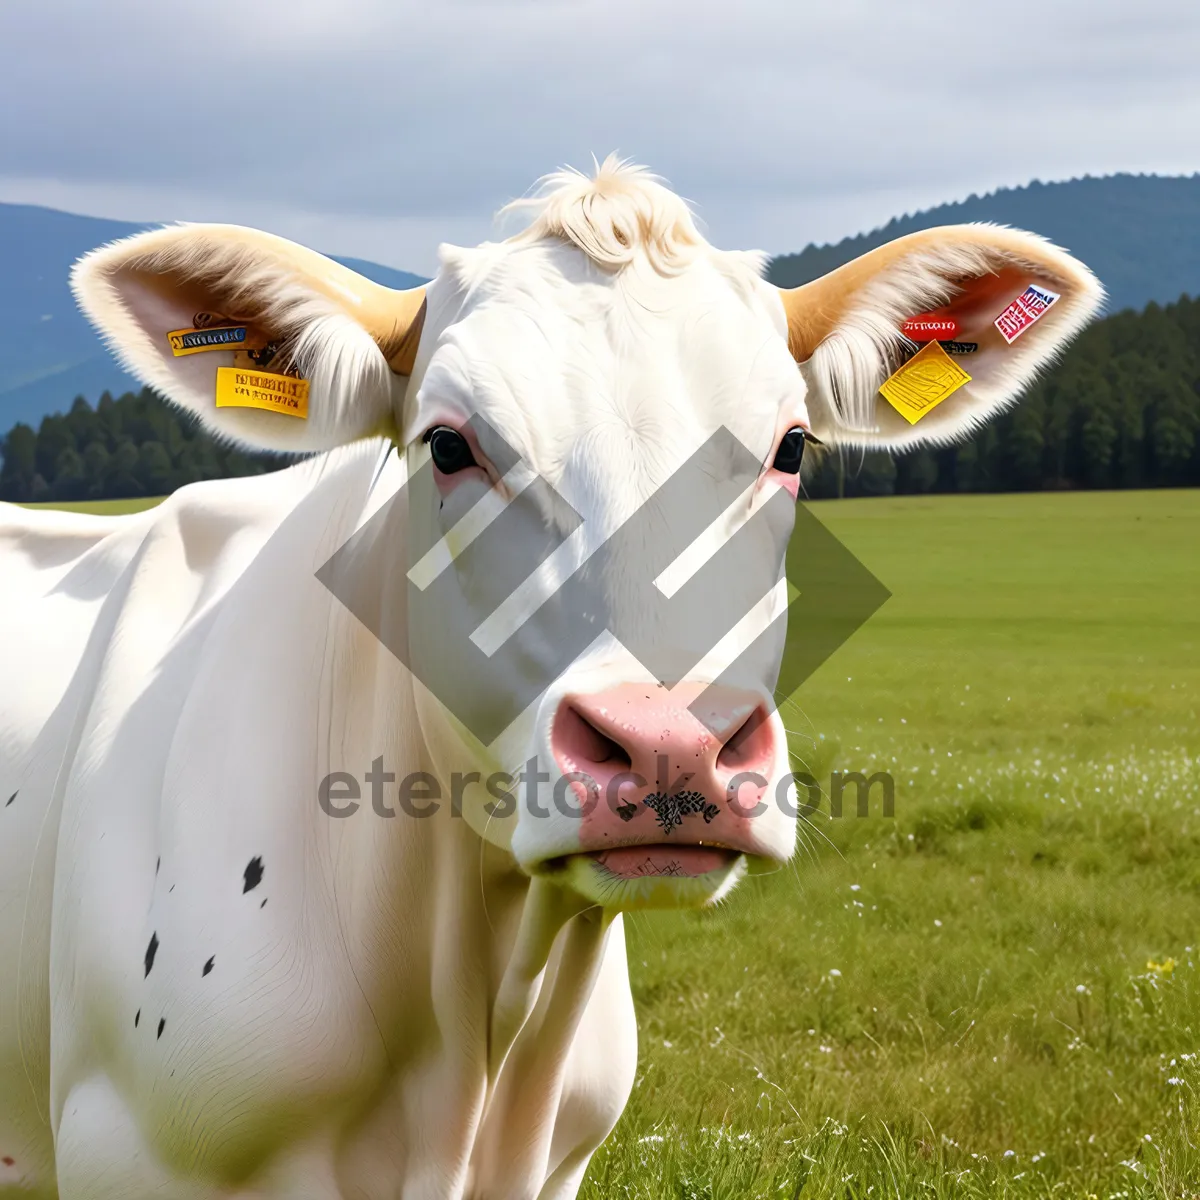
point(662, 791)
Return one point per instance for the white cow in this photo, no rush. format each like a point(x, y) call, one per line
point(215, 982)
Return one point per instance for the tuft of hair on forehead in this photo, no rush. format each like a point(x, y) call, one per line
point(612, 215)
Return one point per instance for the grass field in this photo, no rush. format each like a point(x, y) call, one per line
point(994, 993)
point(104, 508)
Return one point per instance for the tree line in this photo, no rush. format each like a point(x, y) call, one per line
point(1120, 409)
point(129, 446)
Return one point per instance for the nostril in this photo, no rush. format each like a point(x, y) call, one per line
point(576, 733)
point(750, 745)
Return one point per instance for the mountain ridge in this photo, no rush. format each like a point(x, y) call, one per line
point(1139, 233)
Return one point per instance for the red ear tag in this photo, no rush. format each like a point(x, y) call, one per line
point(930, 327)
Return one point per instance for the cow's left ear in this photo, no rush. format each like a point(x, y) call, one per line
point(951, 323)
point(268, 343)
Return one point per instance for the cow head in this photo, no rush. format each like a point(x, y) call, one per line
point(604, 421)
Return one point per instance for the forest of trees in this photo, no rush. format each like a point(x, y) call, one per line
point(1122, 409)
point(136, 445)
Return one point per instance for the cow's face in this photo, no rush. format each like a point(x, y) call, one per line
point(602, 422)
point(606, 418)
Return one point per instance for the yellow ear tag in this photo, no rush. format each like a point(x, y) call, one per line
point(922, 383)
point(238, 387)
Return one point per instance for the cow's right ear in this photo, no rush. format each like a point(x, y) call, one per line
point(1007, 301)
point(268, 343)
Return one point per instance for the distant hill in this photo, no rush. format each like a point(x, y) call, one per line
point(48, 353)
point(1139, 233)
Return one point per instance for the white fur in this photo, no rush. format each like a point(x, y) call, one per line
point(407, 1015)
point(414, 1014)
point(619, 212)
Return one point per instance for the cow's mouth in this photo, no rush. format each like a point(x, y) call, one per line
point(662, 859)
point(652, 875)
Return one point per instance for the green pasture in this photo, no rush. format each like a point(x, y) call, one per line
point(104, 508)
point(993, 993)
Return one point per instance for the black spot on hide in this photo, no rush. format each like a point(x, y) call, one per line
point(253, 874)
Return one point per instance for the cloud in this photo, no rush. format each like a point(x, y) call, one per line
point(379, 128)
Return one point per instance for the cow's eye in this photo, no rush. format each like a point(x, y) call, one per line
point(791, 451)
point(451, 451)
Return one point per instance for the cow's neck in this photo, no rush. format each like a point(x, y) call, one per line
point(452, 944)
point(469, 955)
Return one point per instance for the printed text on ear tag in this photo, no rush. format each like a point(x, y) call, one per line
point(241, 388)
point(223, 337)
point(923, 382)
point(929, 327)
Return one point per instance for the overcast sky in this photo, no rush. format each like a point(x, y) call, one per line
point(379, 128)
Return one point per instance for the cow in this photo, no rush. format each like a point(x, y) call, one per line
point(244, 949)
